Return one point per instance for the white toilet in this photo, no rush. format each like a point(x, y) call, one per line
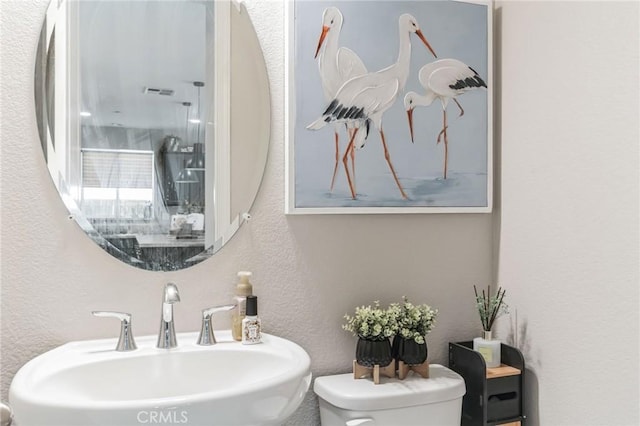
point(436, 401)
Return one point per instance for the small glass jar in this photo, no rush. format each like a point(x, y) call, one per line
point(488, 348)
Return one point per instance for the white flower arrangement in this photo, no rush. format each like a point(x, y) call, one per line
point(373, 323)
point(414, 321)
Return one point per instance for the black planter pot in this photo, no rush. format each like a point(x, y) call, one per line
point(373, 352)
point(408, 351)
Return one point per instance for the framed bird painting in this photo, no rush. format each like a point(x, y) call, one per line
point(389, 107)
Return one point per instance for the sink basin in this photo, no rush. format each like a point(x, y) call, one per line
point(89, 383)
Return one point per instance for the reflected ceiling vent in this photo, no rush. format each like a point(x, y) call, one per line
point(156, 91)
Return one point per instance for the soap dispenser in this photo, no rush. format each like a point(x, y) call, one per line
point(243, 289)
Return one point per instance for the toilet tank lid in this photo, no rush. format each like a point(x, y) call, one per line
point(345, 392)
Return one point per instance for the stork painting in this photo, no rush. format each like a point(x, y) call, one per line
point(362, 100)
point(337, 106)
point(444, 79)
point(337, 65)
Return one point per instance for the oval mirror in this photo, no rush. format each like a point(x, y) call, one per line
point(154, 119)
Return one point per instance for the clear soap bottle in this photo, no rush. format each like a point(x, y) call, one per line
point(251, 326)
point(243, 289)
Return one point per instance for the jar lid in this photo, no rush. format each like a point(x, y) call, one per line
point(347, 393)
point(252, 306)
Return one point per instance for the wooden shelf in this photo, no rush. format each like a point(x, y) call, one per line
point(502, 371)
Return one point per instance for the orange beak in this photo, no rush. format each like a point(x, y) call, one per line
point(426, 43)
point(410, 117)
point(325, 30)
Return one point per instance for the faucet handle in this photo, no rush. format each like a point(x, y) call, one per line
point(126, 341)
point(207, 337)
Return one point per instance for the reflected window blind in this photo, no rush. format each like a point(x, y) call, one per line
point(117, 169)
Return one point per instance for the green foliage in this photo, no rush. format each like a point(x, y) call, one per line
point(372, 323)
point(490, 307)
point(406, 320)
point(414, 321)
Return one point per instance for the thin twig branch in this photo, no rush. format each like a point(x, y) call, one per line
point(496, 309)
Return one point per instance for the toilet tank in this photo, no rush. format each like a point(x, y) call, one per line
point(436, 401)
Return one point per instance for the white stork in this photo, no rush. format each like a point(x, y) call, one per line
point(444, 79)
point(363, 100)
point(336, 65)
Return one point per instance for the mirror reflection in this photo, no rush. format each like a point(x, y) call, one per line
point(137, 140)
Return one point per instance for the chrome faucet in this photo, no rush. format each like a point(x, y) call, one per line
point(167, 334)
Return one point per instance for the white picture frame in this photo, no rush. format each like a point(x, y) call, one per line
point(468, 188)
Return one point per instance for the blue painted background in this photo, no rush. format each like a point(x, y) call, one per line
point(454, 30)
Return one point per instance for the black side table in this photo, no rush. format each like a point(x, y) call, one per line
point(494, 395)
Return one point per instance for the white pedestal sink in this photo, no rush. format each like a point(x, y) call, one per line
point(89, 383)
